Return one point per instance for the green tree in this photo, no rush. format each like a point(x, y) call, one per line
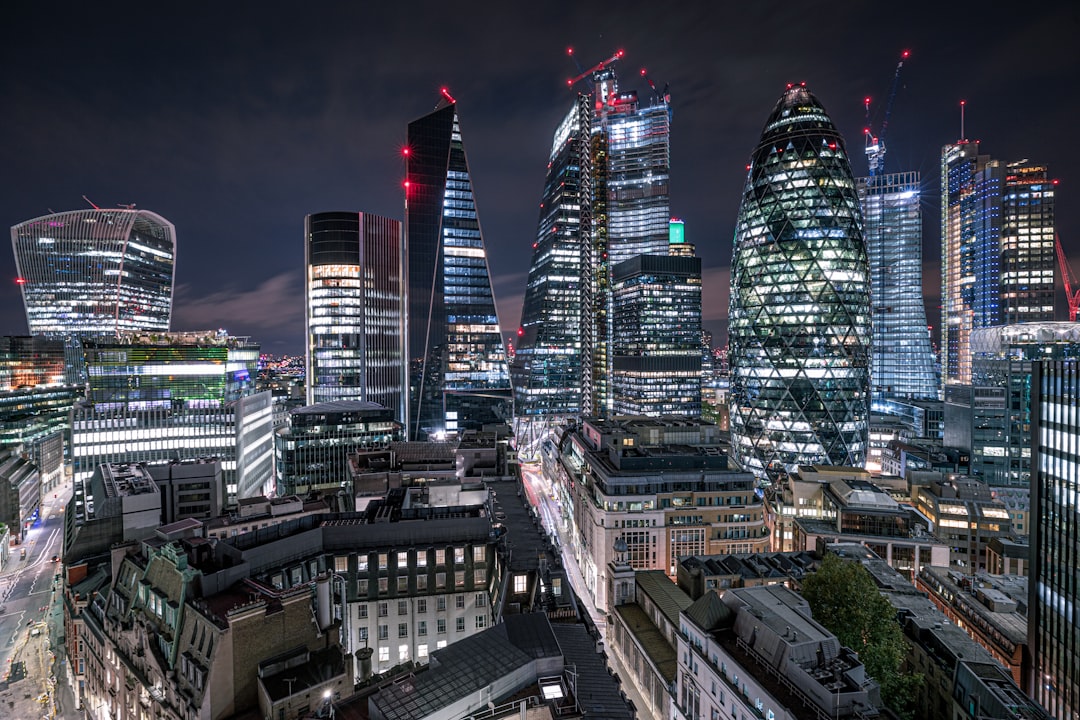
point(844, 598)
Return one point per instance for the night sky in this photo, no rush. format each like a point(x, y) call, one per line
point(235, 120)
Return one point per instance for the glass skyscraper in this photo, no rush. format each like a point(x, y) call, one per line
point(656, 348)
point(799, 316)
point(902, 364)
point(355, 292)
point(1053, 618)
point(1028, 259)
point(96, 273)
point(606, 200)
point(555, 317)
point(970, 253)
point(459, 378)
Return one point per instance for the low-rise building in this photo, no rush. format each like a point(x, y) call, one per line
point(964, 514)
point(700, 574)
point(991, 609)
point(757, 652)
point(662, 485)
point(20, 491)
point(961, 678)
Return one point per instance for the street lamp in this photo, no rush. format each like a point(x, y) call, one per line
point(328, 698)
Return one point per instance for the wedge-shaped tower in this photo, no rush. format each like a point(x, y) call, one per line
point(800, 299)
point(459, 377)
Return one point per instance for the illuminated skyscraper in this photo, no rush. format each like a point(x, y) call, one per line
point(970, 253)
point(902, 361)
point(547, 367)
point(1053, 616)
point(1028, 260)
point(96, 273)
point(656, 319)
point(459, 377)
point(799, 328)
point(355, 299)
point(606, 200)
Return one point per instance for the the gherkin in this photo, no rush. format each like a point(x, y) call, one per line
point(800, 299)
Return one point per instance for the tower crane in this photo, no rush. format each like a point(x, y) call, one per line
point(875, 144)
point(652, 86)
point(1072, 291)
point(598, 66)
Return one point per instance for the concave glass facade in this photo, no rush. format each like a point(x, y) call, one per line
point(459, 378)
point(799, 318)
point(547, 367)
point(96, 273)
point(902, 363)
point(355, 297)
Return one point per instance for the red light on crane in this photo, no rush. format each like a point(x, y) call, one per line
point(521, 331)
point(906, 54)
point(446, 94)
point(642, 72)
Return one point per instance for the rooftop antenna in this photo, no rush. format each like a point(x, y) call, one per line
point(962, 104)
point(130, 206)
point(91, 202)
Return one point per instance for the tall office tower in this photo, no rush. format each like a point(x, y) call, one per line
point(902, 363)
point(547, 366)
point(639, 169)
point(799, 329)
point(656, 349)
point(355, 292)
point(96, 273)
point(606, 200)
point(459, 377)
point(971, 187)
point(177, 396)
point(1028, 260)
point(1053, 593)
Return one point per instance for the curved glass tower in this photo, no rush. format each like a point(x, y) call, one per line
point(96, 273)
point(799, 319)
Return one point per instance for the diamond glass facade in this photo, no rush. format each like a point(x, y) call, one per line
point(800, 299)
point(96, 272)
point(459, 378)
point(902, 364)
point(355, 298)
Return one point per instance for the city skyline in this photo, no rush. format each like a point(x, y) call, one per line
point(236, 140)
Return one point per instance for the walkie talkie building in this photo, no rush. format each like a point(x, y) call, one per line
point(96, 272)
point(800, 299)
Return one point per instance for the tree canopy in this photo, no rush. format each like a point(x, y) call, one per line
point(844, 598)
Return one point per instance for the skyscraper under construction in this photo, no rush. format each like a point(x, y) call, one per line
point(606, 200)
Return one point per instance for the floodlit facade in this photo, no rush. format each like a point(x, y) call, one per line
point(970, 253)
point(355, 292)
point(459, 377)
point(1028, 259)
point(555, 316)
point(800, 299)
point(96, 272)
point(1053, 595)
point(177, 397)
point(902, 364)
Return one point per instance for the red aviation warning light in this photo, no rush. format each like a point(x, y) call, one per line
point(20, 281)
point(446, 94)
point(405, 151)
